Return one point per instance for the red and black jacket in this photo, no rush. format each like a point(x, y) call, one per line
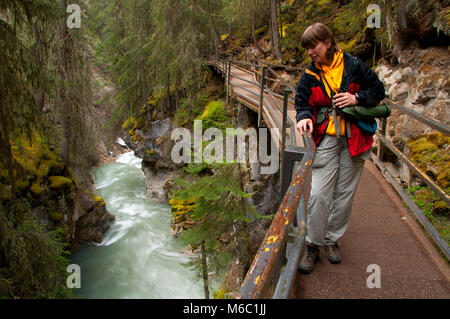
point(357, 78)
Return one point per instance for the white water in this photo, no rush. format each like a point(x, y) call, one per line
point(137, 258)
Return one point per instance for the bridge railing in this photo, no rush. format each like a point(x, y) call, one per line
point(378, 159)
point(273, 270)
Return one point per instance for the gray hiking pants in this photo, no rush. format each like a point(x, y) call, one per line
point(335, 176)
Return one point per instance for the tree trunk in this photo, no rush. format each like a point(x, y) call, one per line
point(389, 22)
point(213, 23)
point(62, 89)
point(274, 29)
point(6, 146)
point(168, 89)
point(281, 20)
point(255, 40)
point(402, 34)
point(39, 98)
point(205, 271)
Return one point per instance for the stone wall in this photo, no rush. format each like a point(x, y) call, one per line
point(421, 83)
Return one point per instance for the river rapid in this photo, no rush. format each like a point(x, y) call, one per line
point(137, 258)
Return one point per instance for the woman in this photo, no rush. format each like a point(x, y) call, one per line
point(341, 145)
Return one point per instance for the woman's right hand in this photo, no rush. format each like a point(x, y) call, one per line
point(304, 124)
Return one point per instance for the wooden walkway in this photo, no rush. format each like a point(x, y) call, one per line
point(239, 90)
point(381, 232)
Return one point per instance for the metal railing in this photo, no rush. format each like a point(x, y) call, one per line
point(274, 267)
point(378, 160)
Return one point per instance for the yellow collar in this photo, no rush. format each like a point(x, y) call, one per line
point(334, 72)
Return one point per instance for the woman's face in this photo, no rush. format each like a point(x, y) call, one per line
point(318, 53)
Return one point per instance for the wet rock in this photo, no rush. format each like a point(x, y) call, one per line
point(420, 84)
point(156, 181)
point(90, 220)
point(399, 91)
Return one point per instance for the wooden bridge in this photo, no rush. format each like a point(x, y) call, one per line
point(384, 238)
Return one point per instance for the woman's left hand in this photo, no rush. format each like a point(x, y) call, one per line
point(345, 99)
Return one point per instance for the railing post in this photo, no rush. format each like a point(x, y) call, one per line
point(261, 96)
point(381, 147)
point(228, 80)
point(283, 130)
point(224, 66)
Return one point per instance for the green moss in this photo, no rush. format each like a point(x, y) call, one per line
point(140, 123)
point(136, 138)
point(57, 182)
point(99, 200)
point(55, 216)
point(47, 166)
point(4, 174)
point(26, 157)
point(435, 209)
point(159, 95)
point(428, 151)
point(214, 115)
point(220, 293)
point(22, 184)
point(440, 206)
point(261, 30)
point(348, 47)
point(443, 178)
point(212, 109)
point(129, 124)
point(36, 188)
point(5, 191)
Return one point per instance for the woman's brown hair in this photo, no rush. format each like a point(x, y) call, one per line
point(318, 32)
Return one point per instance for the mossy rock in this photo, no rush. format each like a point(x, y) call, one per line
point(136, 138)
point(36, 188)
point(99, 200)
point(220, 293)
point(4, 174)
point(49, 166)
point(441, 208)
point(140, 123)
point(22, 184)
point(57, 182)
point(443, 178)
point(430, 151)
point(5, 191)
point(129, 124)
point(55, 216)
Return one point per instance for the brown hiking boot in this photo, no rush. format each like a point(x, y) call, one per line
point(333, 254)
point(310, 255)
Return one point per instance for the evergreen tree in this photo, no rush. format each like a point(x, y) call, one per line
point(220, 211)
